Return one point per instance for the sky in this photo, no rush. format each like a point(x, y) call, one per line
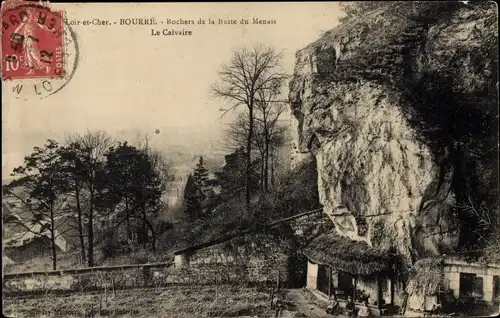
point(128, 81)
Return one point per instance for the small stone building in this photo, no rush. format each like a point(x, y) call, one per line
point(449, 282)
point(466, 280)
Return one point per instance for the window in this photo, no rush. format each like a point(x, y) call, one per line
point(466, 284)
point(471, 285)
point(496, 287)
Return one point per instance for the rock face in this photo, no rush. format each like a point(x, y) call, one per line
point(384, 175)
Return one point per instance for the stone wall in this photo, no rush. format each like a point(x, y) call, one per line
point(113, 277)
point(252, 258)
point(256, 271)
point(233, 273)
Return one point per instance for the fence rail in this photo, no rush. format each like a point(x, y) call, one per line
point(296, 216)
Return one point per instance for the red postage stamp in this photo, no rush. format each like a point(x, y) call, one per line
point(32, 42)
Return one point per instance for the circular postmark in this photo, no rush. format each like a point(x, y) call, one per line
point(39, 51)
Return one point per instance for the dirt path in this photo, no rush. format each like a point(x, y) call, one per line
point(301, 305)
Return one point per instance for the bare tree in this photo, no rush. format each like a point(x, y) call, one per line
point(268, 136)
point(272, 134)
point(235, 136)
point(240, 81)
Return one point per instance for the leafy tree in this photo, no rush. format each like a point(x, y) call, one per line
point(42, 188)
point(72, 165)
point(200, 177)
point(132, 178)
point(231, 177)
point(93, 146)
point(147, 196)
point(192, 198)
point(120, 164)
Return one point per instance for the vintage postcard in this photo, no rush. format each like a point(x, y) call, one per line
point(244, 159)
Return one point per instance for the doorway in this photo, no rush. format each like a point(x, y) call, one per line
point(324, 279)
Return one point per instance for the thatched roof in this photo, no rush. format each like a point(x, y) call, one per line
point(426, 277)
point(344, 254)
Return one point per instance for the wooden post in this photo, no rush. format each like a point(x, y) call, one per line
point(272, 297)
point(380, 294)
point(329, 282)
point(391, 288)
point(216, 287)
point(113, 286)
point(100, 303)
point(278, 282)
point(355, 287)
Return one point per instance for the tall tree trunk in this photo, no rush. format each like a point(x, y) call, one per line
point(262, 169)
point(248, 156)
point(144, 235)
point(153, 233)
point(127, 216)
point(53, 238)
point(266, 164)
point(80, 223)
point(272, 170)
point(90, 231)
point(54, 250)
point(144, 229)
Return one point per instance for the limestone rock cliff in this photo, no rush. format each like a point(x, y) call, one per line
point(383, 103)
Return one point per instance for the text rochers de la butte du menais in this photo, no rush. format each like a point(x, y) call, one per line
point(175, 22)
